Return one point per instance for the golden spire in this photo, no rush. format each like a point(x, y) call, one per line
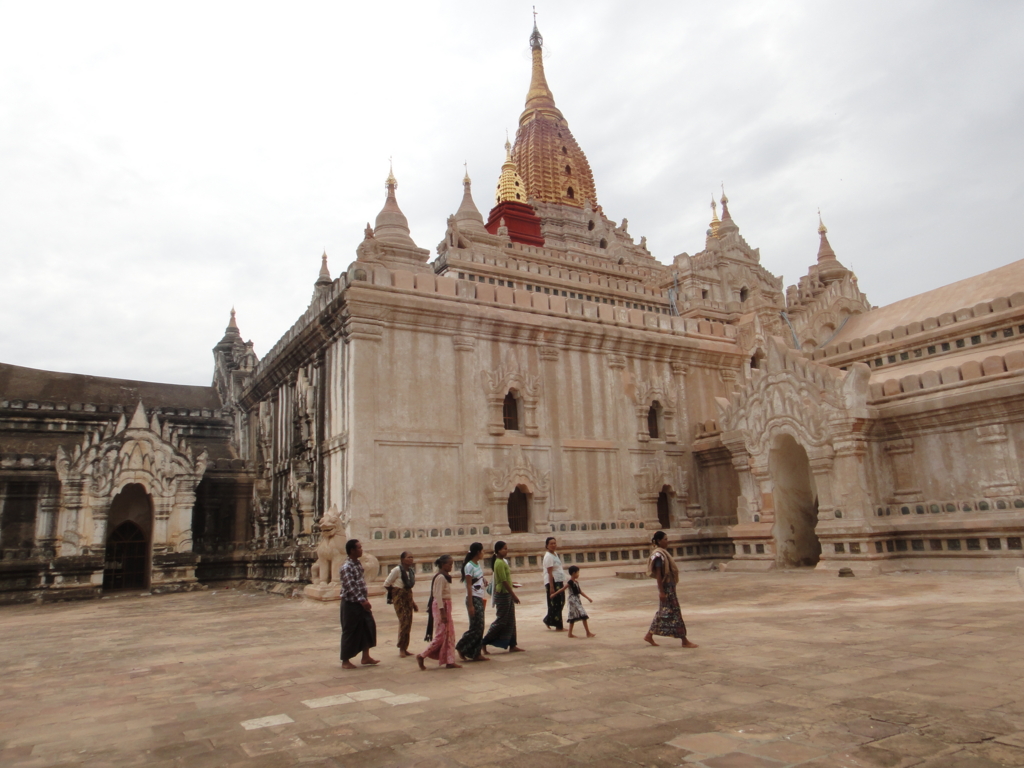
point(391, 183)
point(510, 185)
point(539, 98)
point(715, 223)
point(465, 179)
point(822, 229)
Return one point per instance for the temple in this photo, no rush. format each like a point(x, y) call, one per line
point(541, 373)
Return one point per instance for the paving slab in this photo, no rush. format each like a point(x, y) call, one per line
point(794, 668)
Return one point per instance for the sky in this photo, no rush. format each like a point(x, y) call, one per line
point(163, 163)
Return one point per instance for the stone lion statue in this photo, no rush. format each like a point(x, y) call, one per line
point(330, 552)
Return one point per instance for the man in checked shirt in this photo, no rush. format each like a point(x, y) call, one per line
point(358, 629)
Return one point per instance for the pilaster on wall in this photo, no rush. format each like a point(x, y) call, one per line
point(851, 490)
point(750, 504)
point(47, 514)
point(821, 469)
point(1004, 471)
point(900, 453)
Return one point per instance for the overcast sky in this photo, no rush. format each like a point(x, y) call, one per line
point(160, 164)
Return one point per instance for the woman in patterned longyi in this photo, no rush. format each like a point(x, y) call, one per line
point(668, 621)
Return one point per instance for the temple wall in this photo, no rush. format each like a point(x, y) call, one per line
point(425, 453)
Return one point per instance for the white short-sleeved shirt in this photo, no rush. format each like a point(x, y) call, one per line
point(476, 575)
point(554, 562)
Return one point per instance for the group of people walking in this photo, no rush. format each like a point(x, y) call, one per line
point(359, 630)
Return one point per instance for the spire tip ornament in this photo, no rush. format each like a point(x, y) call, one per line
point(536, 40)
point(391, 182)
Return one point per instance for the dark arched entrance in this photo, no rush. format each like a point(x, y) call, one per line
point(664, 518)
point(664, 509)
point(518, 511)
point(127, 562)
point(130, 524)
point(796, 504)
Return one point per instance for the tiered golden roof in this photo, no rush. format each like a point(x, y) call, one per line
point(548, 158)
point(510, 186)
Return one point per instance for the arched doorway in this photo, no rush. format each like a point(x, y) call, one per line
point(664, 518)
point(796, 504)
point(518, 511)
point(127, 561)
point(130, 523)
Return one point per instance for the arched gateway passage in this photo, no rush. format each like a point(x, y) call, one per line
point(796, 504)
point(127, 558)
point(127, 552)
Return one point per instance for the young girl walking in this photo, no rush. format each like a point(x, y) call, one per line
point(573, 592)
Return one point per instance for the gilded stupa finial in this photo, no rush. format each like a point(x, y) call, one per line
point(725, 200)
point(822, 229)
point(391, 182)
point(465, 179)
point(715, 223)
point(231, 322)
point(511, 187)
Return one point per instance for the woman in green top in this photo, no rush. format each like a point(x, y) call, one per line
point(502, 631)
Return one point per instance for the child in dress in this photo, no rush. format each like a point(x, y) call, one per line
point(573, 592)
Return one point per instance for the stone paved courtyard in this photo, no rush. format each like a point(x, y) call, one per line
point(793, 669)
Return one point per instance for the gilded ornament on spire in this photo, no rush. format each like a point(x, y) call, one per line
point(539, 98)
point(715, 223)
point(822, 229)
point(391, 182)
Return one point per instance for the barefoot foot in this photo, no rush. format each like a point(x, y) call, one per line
point(403, 654)
point(688, 644)
point(516, 649)
point(591, 634)
point(369, 662)
point(419, 660)
point(649, 639)
point(348, 665)
point(453, 666)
